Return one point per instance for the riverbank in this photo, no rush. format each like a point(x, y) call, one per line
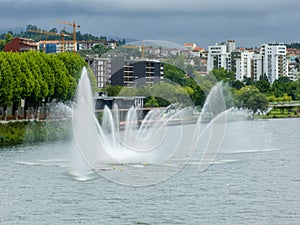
point(280, 113)
point(19, 132)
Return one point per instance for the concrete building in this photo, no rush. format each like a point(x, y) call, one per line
point(56, 46)
point(256, 66)
point(243, 65)
point(88, 45)
point(271, 60)
point(219, 55)
point(21, 45)
point(104, 68)
point(123, 72)
point(138, 73)
point(274, 61)
point(124, 104)
point(294, 74)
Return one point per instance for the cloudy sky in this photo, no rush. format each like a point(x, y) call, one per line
point(205, 22)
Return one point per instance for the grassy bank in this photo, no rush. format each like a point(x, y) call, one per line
point(19, 132)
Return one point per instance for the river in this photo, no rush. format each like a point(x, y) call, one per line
point(255, 179)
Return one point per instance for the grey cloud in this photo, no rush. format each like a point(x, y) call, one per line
point(172, 20)
point(144, 8)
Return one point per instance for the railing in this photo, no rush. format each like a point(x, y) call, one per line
point(284, 104)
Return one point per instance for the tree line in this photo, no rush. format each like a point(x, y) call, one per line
point(37, 77)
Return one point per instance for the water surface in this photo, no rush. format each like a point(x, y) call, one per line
point(254, 180)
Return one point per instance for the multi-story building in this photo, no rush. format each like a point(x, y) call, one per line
point(56, 46)
point(243, 65)
point(138, 73)
point(122, 72)
point(270, 61)
point(21, 45)
point(256, 66)
point(88, 45)
point(219, 55)
point(274, 61)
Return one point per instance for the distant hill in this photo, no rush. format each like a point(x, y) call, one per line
point(127, 40)
point(23, 32)
point(293, 45)
point(14, 30)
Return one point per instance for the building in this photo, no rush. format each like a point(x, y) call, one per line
point(138, 73)
point(242, 63)
point(21, 45)
point(56, 46)
point(274, 61)
point(270, 60)
point(256, 66)
point(294, 74)
point(122, 72)
point(189, 46)
point(124, 103)
point(88, 45)
point(218, 57)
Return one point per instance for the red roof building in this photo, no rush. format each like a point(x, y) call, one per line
point(21, 45)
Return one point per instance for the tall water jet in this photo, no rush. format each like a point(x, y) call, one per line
point(134, 155)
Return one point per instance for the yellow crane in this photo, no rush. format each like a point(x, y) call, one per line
point(62, 34)
point(74, 25)
point(141, 48)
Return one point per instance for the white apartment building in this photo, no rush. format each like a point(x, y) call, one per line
point(256, 66)
point(217, 57)
point(243, 65)
point(274, 61)
point(270, 61)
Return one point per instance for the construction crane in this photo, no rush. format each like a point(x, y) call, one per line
point(74, 25)
point(141, 48)
point(63, 35)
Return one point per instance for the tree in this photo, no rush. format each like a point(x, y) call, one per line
point(263, 86)
point(8, 37)
point(13, 60)
point(63, 87)
point(249, 97)
point(112, 90)
point(223, 75)
point(152, 102)
point(237, 84)
point(6, 82)
point(248, 81)
point(281, 86)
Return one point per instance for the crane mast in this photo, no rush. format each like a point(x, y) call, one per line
point(74, 25)
point(62, 34)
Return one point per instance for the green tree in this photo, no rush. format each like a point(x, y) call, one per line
point(249, 97)
point(64, 87)
point(152, 102)
point(237, 84)
point(223, 75)
point(112, 90)
point(7, 38)
point(263, 86)
point(6, 81)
